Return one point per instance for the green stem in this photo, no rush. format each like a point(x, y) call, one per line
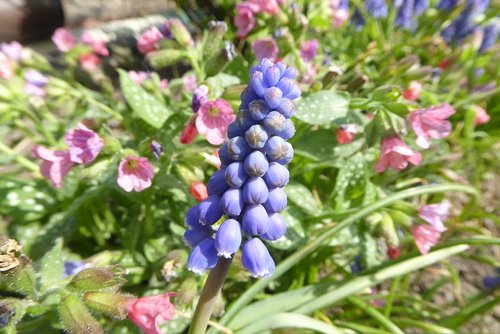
point(20, 159)
point(391, 297)
point(208, 296)
point(376, 315)
point(293, 259)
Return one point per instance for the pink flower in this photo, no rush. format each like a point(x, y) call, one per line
point(339, 17)
point(431, 123)
point(149, 312)
point(213, 119)
point(84, 144)
point(199, 191)
point(412, 92)
point(135, 173)
point(55, 165)
point(482, 116)
point(309, 49)
point(6, 71)
point(346, 133)
point(265, 48)
point(426, 236)
point(435, 214)
point(189, 82)
point(245, 19)
point(148, 40)
point(12, 50)
point(138, 76)
point(163, 84)
point(63, 39)
point(99, 47)
point(266, 6)
point(396, 155)
point(309, 74)
point(89, 62)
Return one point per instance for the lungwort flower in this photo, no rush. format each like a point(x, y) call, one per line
point(396, 155)
point(135, 173)
point(435, 214)
point(265, 48)
point(213, 119)
point(35, 83)
point(149, 312)
point(426, 237)
point(247, 190)
point(63, 39)
point(84, 144)
point(55, 165)
point(148, 40)
point(431, 123)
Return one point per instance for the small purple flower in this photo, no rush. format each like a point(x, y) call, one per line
point(492, 282)
point(273, 96)
point(192, 219)
point(405, 14)
point(276, 229)
point(289, 130)
point(276, 201)
point(238, 148)
point(256, 259)
point(228, 238)
point(12, 50)
point(275, 122)
point(84, 144)
point(277, 175)
point(258, 109)
point(490, 34)
point(255, 191)
point(157, 149)
point(203, 256)
point(255, 220)
point(217, 184)
point(376, 8)
point(286, 108)
point(74, 267)
point(358, 20)
point(256, 164)
point(420, 6)
point(256, 137)
point(200, 96)
point(235, 175)
point(35, 83)
point(435, 214)
point(231, 202)
point(447, 4)
point(210, 211)
point(308, 50)
point(276, 148)
point(193, 237)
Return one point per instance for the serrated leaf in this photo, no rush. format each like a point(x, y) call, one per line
point(220, 82)
point(51, 267)
point(144, 105)
point(302, 197)
point(323, 108)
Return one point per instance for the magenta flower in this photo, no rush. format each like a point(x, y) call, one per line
point(135, 173)
point(148, 40)
point(265, 48)
point(431, 123)
point(309, 49)
point(412, 92)
point(63, 39)
point(213, 119)
point(55, 166)
point(6, 71)
point(89, 62)
point(149, 312)
point(340, 11)
point(266, 6)
point(12, 50)
point(99, 47)
point(435, 214)
point(245, 18)
point(426, 236)
point(482, 116)
point(396, 155)
point(84, 144)
point(138, 76)
point(35, 83)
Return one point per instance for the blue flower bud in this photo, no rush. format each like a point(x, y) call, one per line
point(257, 83)
point(276, 201)
point(281, 66)
point(256, 258)
point(244, 119)
point(238, 148)
point(258, 109)
point(247, 96)
point(276, 148)
point(200, 95)
point(265, 63)
point(272, 75)
point(275, 122)
point(256, 164)
point(289, 130)
point(225, 159)
point(203, 256)
point(194, 236)
point(273, 96)
point(255, 219)
point(290, 73)
point(255, 191)
point(228, 238)
point(276, 229)
point(276, 176)
point(293, 93)
point(286, 85)
point(235, 174)
point(254, 69)
point(216, 185)
point(256, 136)
point(231, 202)
point(234, 130)
point(192, 219)
point(210, 211)
point(289, 156)
point(286, 107)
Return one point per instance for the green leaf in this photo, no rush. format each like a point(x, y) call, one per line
point(220, 82)
point(351, 182)
point(76, 318)
point(302, 197)
point(323, 108)
point(289, 320)
point(51, 267)
point(144, 105)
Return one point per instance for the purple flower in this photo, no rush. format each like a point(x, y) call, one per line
point(256, 164)
point(256, 258)
point(258, 109)
point(12, 50)
point(265, 48)
point(276, 229)
point(194, 236)
point(275, 122)
point(156, 148)
point(277, 175)
point(203, 256)
point(420, 6)
point(358, 20)
point(217, 184)
point(255, 220)
point(376, 8)
point(256, 136)
point(435, 214)
point(490, 34)
point(235, 175)
point(84, 144)
point(228, 238)
point(35, 83)
point(447, 4)
point(238, 148)
point(210, 211)
point(200, 96)
point(74, 267)
point(276, 148)
point(309, 49)
point(405, 13)
point(255, 191)
point(231, 202)
point(192, 219)
point(276, 201)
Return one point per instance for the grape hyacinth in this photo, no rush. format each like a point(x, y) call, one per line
point(247, 190)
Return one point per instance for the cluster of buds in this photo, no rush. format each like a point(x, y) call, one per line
point(248, 187)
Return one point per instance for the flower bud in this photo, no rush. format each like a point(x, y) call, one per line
point(223, 155)
point(256, 136)
point(255, 191)
point(106, 302)
point(244, 119)
point(290, 72)
point(248, 95)
point(228, 238)
point(273, 97)
point(189, 133)
point(256, 259)
point(274, 122)
point(255, 220)
point(194, 236)
point(180, 33)
point(231, 202)
point(286, 107)
point(199, 191)
point(210, 211)
point(276, 148)
point(289, 130)
point(277, 175)
point(217, 184)
point(234, 130)
point(276, 200)
point(258, 109)
point(276, 229)
point(256, 164)
point(235, 174)
point(257, 83)
point(192, 219)
point(238, 148)
point(75, 317)
point(98, 278)
point(289, 156)
point(202, 257)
